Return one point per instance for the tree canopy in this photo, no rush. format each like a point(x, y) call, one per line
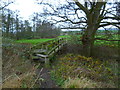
point(87, 15)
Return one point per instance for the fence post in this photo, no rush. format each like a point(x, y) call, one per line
point(47, 63)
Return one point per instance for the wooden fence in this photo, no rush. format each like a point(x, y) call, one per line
point(44, 51)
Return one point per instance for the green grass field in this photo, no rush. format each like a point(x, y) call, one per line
point(108, 43)
point(35, 41)
point(97, 42)
point(64, 36)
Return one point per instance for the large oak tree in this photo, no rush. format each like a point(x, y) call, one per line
point(83, 14)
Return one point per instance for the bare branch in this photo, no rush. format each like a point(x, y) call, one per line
point(109, 23)
point(81, 6)
point(113, 18)
point(105, 39)
point(73, 28)
point(5, 5)
point(49, 6)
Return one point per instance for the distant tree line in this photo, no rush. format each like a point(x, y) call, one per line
point(16, 28)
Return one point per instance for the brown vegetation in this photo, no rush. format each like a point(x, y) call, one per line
point(102, 74)
point(18, 71)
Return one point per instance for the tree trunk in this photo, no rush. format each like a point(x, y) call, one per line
point(93, 21)
point(88, 43)
point(8, 26)
point(88, 40)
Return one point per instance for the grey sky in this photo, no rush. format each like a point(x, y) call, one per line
point(28, 7)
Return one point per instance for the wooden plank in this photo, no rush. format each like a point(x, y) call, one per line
point(53, 49)
point(48, 49)
point(39, 51)
point(41, 55)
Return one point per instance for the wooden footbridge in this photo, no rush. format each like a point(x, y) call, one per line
point(44, 51)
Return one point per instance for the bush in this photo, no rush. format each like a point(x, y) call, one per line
point(18, 71)
point(79, 66)
point(74, 39)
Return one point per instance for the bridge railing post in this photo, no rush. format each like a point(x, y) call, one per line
point(48, 49)
point(58, 44)
point(47, 62)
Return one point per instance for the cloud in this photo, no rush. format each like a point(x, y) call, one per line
point(26, 7)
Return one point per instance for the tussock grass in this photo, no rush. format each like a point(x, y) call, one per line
point(84, 82)
point(18, 70)
point(101, 74)
point(79, 83)
point(22, 81)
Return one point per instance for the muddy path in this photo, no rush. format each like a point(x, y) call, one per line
point(45, 80)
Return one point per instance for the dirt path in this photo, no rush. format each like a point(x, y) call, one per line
point(46, 81)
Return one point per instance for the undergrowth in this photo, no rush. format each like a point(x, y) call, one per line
point(18, 71)
point(77, 66)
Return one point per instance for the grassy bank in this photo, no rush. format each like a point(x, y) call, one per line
point(18, 70)
point(75, 38)
point(37, 41)
point(76, 71)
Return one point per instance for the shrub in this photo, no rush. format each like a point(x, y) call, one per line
point(80, 66)
point(18, 71)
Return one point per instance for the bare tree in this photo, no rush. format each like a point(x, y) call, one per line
point(84, 14)
point(4, 4)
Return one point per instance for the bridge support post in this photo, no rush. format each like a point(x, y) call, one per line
point(47, 62)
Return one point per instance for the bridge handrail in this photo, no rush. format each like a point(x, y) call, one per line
point(46, 45)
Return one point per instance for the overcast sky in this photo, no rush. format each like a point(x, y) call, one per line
point(26, 7)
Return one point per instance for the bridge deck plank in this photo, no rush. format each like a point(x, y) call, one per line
point(47, 49)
